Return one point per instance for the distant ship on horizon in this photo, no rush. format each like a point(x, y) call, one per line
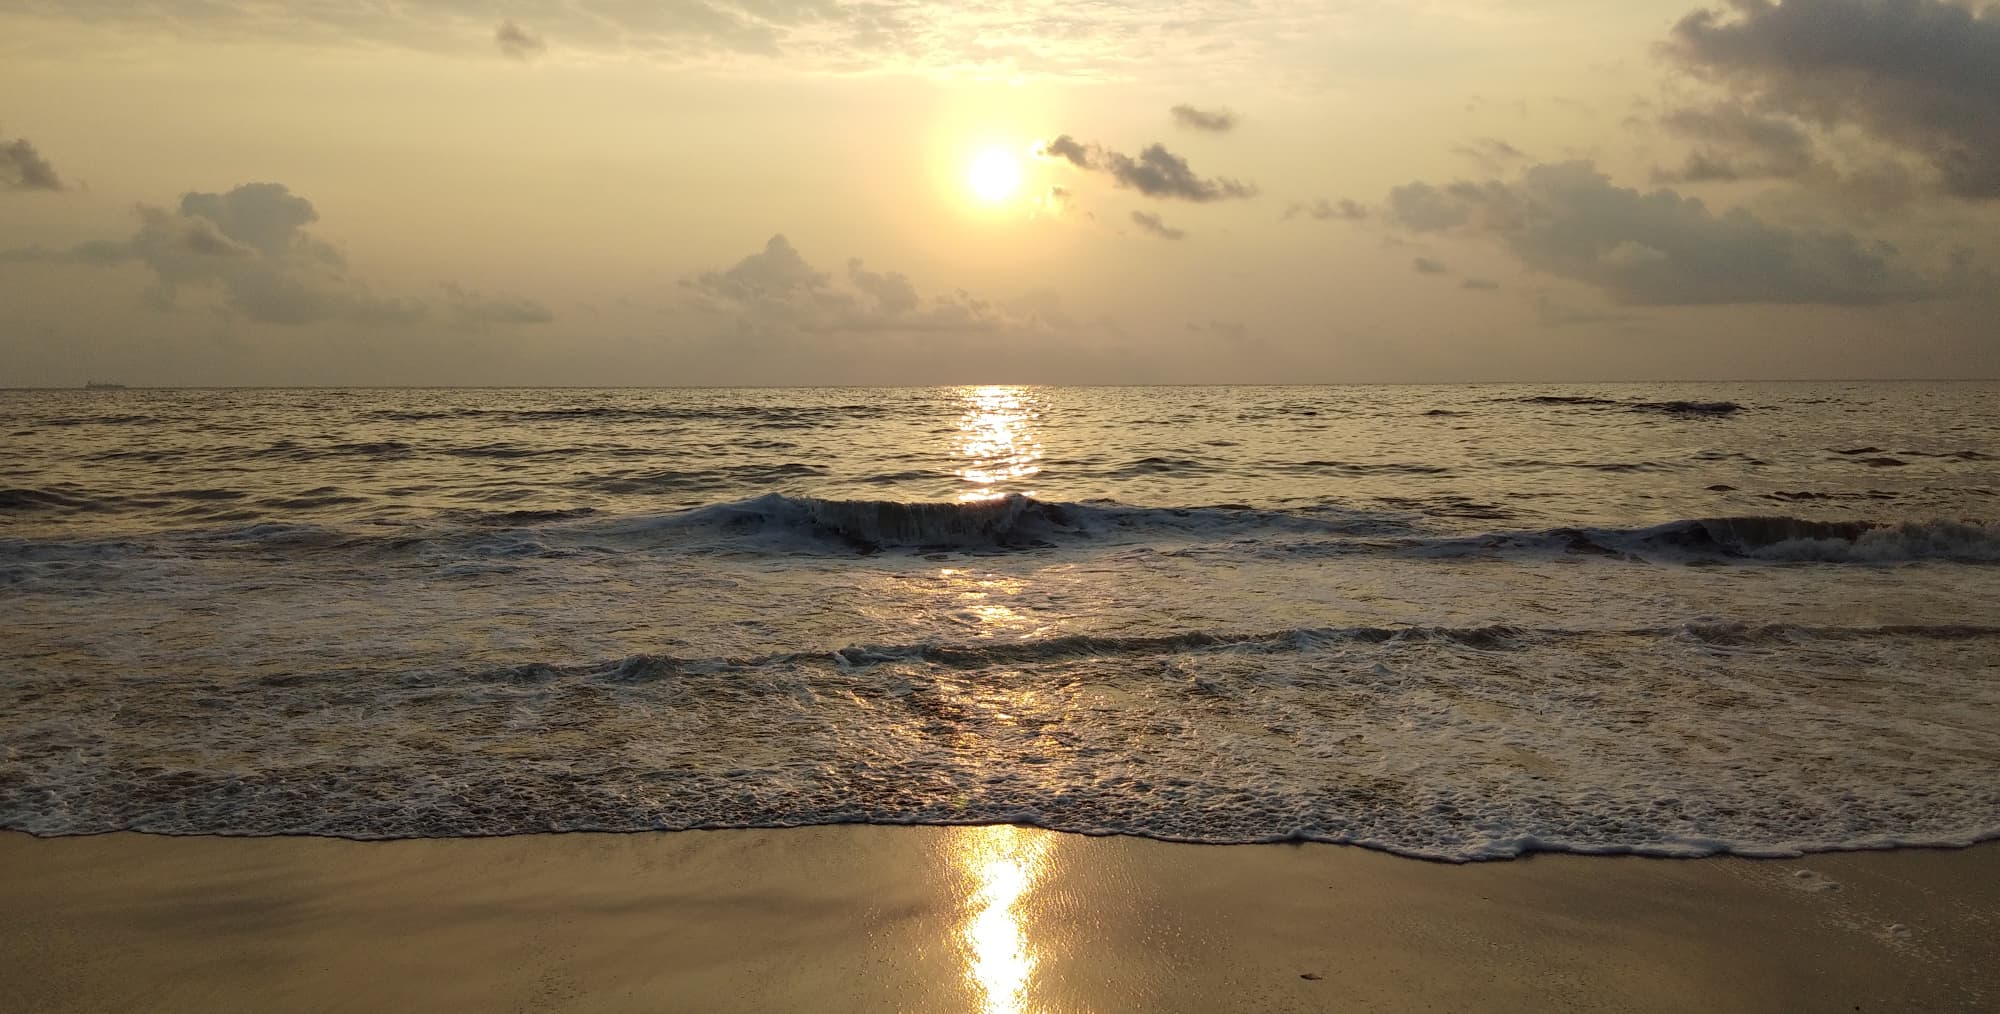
point(100, 385)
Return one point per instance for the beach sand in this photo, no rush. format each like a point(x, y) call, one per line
point(972, 919)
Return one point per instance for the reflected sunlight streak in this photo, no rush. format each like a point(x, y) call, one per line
point(996, 439)
point(1003, 862)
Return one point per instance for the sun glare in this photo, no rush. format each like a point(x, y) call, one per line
point(995, 175)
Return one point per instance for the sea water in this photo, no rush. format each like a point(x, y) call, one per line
point(1450, 622)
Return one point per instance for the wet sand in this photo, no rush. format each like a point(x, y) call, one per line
point(971, 919)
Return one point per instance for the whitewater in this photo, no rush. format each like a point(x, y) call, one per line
point(1456, 623)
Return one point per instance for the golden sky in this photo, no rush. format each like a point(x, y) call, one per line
point(659, 192)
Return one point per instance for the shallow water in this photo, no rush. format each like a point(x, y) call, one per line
point(1455, 622)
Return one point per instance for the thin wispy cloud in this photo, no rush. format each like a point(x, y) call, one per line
point(1343, 210)
point(517, 43)
point(1156, 226)
point(1024, 38)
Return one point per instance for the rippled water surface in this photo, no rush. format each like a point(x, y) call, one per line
point(1456, 622)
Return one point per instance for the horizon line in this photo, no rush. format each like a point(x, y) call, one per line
point(919, 386)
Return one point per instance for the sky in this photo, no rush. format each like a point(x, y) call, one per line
point(787, 192)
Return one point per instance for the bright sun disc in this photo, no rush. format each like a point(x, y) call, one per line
point(995, 174)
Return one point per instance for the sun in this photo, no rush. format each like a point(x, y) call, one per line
point(994, 175)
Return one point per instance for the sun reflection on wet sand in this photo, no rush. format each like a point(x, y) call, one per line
point(1003, 863)
point(996, 441)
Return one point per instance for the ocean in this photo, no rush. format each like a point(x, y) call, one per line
point(1456, 623)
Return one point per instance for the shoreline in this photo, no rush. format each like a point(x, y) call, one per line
point(999, 917)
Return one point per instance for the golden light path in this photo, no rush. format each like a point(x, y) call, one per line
point(996, 439)
point(998, 454)
point(1003, 863)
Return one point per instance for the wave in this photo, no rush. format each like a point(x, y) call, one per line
point(1799, 539)
point(1452, 743)
point(779, 523)
point(1748, 539)
point(1687, 409)
point(780, 416)
point(792, 523)
point(986, 654)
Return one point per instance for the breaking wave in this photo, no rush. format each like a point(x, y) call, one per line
point(1669, 408)
point(1019, 522)
point(1450, 743)
point(777, 523)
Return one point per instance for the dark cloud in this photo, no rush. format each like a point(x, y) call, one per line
point(1156, 172)
point(1427, 266)
point(518, 43)
point(1735, 143)
point(1659, 248)
point(1070, 148)
point(24, 168)
point(1215, 121)
point(1422, 207)
point(266, 217)
point(250, 245)
point(1324, 210)
point(1921, 75)
point(1149, 222)
point(1479, 285)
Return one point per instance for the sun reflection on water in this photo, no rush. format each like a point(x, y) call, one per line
point(996, 441)
point(1003, 863)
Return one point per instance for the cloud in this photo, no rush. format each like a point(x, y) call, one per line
point(471, 309)
point(1491, 153)
point(778, 316)
point(776, 292)
point(518, 43)
point(776, 276)
point(250, 245)
point(1149, 222)
point(1427, 266)
point(1659, 248)
point(1067, 147)
point(999, 41)
point(1324, 210)
point(1479, 285)
point(891, 291)
point(1233, 333)
point(1156, 172)
point(24, 168)
point(1737, 144)
point(1919, 75)
point(1215, 121)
